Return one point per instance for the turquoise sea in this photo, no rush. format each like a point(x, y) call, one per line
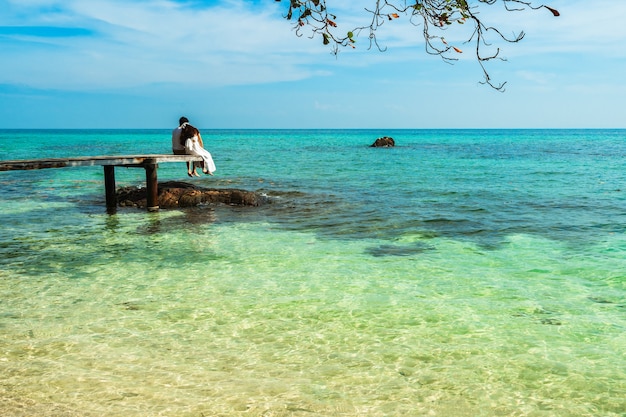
point(461, 273)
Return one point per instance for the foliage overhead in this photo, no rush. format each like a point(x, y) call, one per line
point(435, 16)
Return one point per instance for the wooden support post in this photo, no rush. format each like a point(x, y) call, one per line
point(109, 187)
point(152, 186)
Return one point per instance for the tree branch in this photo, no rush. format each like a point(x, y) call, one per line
point(436, 16)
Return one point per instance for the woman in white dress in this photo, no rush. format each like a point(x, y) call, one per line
point(190, 136)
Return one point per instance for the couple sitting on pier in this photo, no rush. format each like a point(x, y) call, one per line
point(186, 140)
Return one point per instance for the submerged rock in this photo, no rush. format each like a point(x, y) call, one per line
point(384, 142)
point(175, 194)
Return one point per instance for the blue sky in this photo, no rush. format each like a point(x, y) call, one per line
point(238, 64)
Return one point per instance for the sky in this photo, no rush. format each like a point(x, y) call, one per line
point(239, 64)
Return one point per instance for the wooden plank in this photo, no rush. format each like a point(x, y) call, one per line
point(27, 165)
point(116, 160)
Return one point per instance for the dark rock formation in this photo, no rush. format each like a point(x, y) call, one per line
point(175, 194)
point(384, 142)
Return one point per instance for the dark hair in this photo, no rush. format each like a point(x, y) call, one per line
point(188, 131)
point(182, 120)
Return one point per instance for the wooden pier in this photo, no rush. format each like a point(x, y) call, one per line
point(149, 162)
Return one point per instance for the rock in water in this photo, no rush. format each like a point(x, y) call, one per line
point(175, 194)
point(384, 142)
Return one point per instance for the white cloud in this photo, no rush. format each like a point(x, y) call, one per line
point(161, 41)
point(157, 42)
point(583, 27)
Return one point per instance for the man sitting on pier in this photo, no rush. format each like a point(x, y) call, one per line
point(178, 147)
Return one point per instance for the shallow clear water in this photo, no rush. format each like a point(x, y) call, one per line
point(476, 273)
